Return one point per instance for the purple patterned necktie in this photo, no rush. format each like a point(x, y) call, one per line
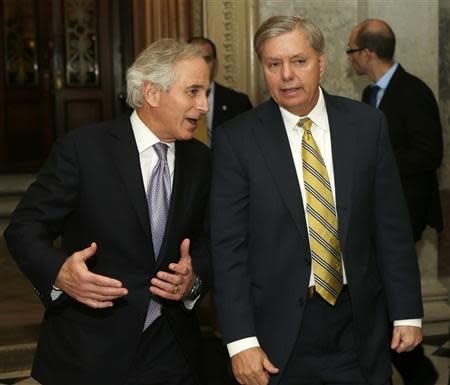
point(158, 197)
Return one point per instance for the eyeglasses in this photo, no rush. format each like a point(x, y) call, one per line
point(351, 50)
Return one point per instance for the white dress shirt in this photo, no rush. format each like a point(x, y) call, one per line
point(320, 130)
point(145, 139)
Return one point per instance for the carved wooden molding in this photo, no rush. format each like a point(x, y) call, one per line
point(231, 25)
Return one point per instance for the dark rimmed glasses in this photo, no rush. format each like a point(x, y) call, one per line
point(348, 51)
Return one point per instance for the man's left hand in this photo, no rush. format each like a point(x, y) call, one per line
point(175, 286)
point(405, 338)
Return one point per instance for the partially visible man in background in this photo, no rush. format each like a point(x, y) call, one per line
point(416, 136)
point(128, 198)
point(224, 103)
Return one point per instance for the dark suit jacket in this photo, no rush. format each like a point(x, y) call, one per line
point(416, 136)
point(260, 245)
point(228, 103)
point(91, 189)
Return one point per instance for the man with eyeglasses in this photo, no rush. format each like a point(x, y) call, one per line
point(416, 136)
point(224, 103)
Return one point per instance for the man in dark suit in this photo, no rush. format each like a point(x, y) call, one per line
point(312, 250)
point(224, 102)
point(128, 198)
point(416, 136)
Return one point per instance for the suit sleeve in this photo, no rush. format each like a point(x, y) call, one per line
point(394, 243)
point(229, 237)
point(200, 247)
point(39, 219)
point(201, 256)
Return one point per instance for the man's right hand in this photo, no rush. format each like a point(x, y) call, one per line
point(96, 291)
point(252, 367)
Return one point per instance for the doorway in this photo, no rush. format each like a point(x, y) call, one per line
point(63, 64)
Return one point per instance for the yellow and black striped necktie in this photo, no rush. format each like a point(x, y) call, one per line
point(322, 220)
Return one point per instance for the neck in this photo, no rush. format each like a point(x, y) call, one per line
point(152, 124)
point(379, 69)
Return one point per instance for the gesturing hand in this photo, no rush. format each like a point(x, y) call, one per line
point(175, 286)
point(94, 290)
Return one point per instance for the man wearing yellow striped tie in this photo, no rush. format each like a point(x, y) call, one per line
point(312, 250)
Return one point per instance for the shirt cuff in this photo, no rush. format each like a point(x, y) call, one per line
point(55, 293)
point(241, 345)
point(417, 322)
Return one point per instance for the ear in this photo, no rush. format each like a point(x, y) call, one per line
point(321, 64)
point(151, 93)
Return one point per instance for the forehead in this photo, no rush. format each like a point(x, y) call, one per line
point(287, 44)
point(192, 71)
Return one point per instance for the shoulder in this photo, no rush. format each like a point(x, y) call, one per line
point(98, 130)
point(408, 82)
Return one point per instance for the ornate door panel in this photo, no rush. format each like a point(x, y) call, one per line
point(62, 64)
point(82, 62)
point(26, 127)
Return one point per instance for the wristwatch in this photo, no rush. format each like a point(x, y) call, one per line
point(196, 289)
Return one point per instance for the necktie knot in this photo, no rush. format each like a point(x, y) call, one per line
point(306, 124)
point(161, 150)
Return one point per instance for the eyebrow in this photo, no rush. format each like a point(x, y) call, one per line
point(290, 57)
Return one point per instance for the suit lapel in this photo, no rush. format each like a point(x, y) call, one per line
point(274, 144)
point(343, 132)
point(126, 157)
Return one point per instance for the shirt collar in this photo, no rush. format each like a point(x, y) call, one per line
point(318, 114)
point(383, 82)
point(143, 135)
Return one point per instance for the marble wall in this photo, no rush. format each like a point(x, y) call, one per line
point(414, 22)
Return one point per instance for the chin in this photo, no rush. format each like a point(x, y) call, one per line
point(187, 136)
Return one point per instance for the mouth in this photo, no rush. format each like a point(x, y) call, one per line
point(290, 91)
point(193, 121)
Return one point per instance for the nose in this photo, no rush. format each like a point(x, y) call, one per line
point(286, 72)
point(202, 103)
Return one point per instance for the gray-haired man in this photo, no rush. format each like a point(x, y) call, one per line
point(128, 198)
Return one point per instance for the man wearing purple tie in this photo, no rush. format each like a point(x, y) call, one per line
point(128, 199)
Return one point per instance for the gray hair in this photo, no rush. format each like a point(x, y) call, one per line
point(277, 25)
point(156, 64)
